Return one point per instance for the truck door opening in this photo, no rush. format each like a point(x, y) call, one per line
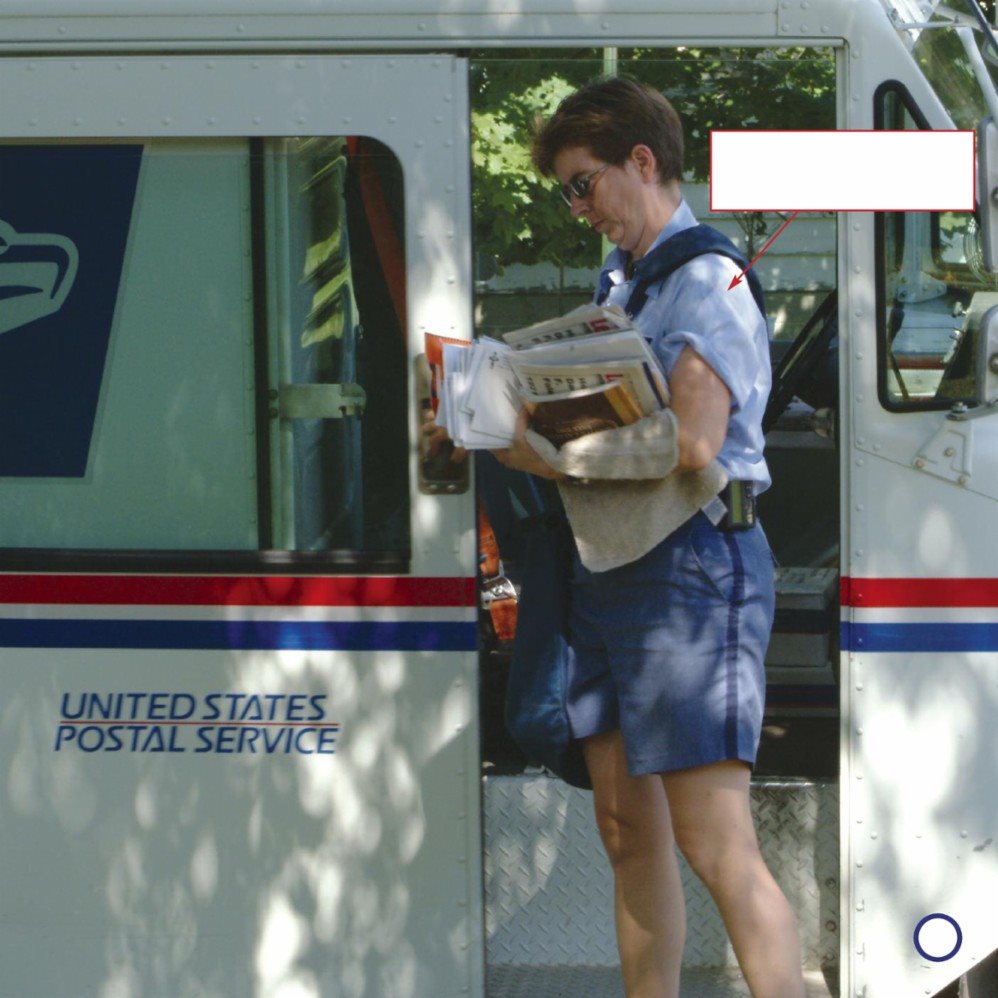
point(534, 261)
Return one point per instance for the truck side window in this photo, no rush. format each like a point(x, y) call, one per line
point(336, 292)
point(202, 347)
point(931, 291)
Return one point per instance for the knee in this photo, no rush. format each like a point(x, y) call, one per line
point(717, 857)
point(627, 835)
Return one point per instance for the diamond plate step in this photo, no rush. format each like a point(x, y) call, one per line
point(549, 891)
point(604, 982)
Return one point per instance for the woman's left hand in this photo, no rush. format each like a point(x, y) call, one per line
point(520, 456)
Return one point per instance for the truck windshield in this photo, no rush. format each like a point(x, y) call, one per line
point(946, 55)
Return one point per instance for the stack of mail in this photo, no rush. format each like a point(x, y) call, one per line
point(481, 385)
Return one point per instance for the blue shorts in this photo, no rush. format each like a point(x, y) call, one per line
point(671, 648)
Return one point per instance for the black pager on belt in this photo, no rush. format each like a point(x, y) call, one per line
point(738, 497)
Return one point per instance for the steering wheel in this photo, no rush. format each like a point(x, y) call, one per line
point(801, 360)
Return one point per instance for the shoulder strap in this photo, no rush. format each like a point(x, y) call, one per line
point(679, 249)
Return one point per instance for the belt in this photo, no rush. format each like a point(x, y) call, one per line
point(738, 497)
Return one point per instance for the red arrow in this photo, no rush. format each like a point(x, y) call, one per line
point(738, 277)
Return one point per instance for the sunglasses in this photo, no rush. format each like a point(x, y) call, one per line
point(580, 187)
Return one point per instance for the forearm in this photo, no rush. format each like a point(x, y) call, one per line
point(646, 449)
point(522, 454)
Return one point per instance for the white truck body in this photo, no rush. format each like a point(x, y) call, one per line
point(228, 775)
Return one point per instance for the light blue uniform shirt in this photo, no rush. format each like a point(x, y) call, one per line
point(693, 307)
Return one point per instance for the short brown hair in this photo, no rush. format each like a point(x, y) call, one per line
point(609, 117)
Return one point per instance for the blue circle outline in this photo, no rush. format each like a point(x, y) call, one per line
point(959, 937)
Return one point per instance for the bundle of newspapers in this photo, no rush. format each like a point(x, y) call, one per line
point(587, 371)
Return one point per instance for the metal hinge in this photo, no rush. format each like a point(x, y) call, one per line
point(321, 401)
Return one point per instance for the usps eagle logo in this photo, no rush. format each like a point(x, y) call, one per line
point(37, 271)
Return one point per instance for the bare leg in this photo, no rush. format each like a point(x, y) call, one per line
point(632, 815)
point(713, 827)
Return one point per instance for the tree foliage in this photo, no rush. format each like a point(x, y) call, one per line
point(519, 217)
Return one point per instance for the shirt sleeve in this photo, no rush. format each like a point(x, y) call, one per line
point(724, 327)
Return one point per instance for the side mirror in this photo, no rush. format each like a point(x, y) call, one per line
point(987, 357)
point(987, 191)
